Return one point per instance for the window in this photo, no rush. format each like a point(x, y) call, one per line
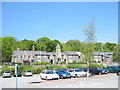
point(14, 56)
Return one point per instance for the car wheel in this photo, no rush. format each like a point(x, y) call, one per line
point(61, 77)
point(99, 73)
point(118, 73)
point(46, 78)
point(76, 75)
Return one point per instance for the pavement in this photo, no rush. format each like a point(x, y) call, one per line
point(97, 81)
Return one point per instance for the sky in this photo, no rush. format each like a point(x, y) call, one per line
point(62, 21)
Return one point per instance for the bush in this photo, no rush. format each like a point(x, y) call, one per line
point(17, 63)
point(76, 66)
point(41, 63)
point(78, 62)
point(95, 65)
point(45, 63)
point(63, 62)
point(53, 67)
point(82, 62)
point(63, 67)
point(37, 63)
point(99, 61)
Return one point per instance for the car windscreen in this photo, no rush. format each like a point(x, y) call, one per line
point(28, 71)
point(6, 72)
point(50, 72)
point(63, 71)
point(78, 71)
point(71, 70)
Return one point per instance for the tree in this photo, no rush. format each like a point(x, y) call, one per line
point(109, 47)
point(41, 43)
point(89, 45)
point(25, 44)
point(72, 45)
point(98, 47)
point(8, 46)
point(116, 54)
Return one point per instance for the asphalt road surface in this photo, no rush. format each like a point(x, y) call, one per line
point(97, 81)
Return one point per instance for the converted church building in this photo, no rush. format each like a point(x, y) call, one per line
point(30, 57)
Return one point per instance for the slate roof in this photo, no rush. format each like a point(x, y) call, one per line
point(103, 53)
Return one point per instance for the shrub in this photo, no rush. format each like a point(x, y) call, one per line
point(76, 66)
point(99, 61)
point(95, 65)
point(63, 62)
point(63, 67)
point(45, 63)
point(37, 63)
point(17, 63)
point(82, 62)
point(41, 63)
point(53, 67)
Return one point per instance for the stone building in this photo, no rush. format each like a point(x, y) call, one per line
point(30, 57)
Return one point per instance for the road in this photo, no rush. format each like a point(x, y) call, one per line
point(97, 81)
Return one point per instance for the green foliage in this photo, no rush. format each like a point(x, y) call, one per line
point(41, 63)
point(17, 63)
point(9, 44)
point(63, 62)
point(95, 65)
point(75, 66)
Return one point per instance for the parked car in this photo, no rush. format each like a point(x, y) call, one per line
point(6, 74)
point(19, 74)
point(77, 72)
point(98, 70)
point(112, 69)
point(62, 73)
point(27, 73)
point(48, 74)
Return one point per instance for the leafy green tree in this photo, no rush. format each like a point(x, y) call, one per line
point(25, 44)
point(41, 43)
point(109, 47)
point(116, 54)
point(98, 47)
point(8, 46)
point(51, 46)
point(72, 45)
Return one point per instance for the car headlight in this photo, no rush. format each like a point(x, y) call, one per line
point(64, 74)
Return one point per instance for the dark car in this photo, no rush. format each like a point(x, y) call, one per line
point(118, 71)
point(62, 73)
point(19, 74)
point(98, 70)
point(112, 69)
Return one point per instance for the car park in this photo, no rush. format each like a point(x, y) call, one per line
point(98, 70)
point(27, 73)
point(6, 74)
point(48, 74)
point(77, 72)
point(62, 73)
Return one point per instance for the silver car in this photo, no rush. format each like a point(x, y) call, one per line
point(6, 74)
